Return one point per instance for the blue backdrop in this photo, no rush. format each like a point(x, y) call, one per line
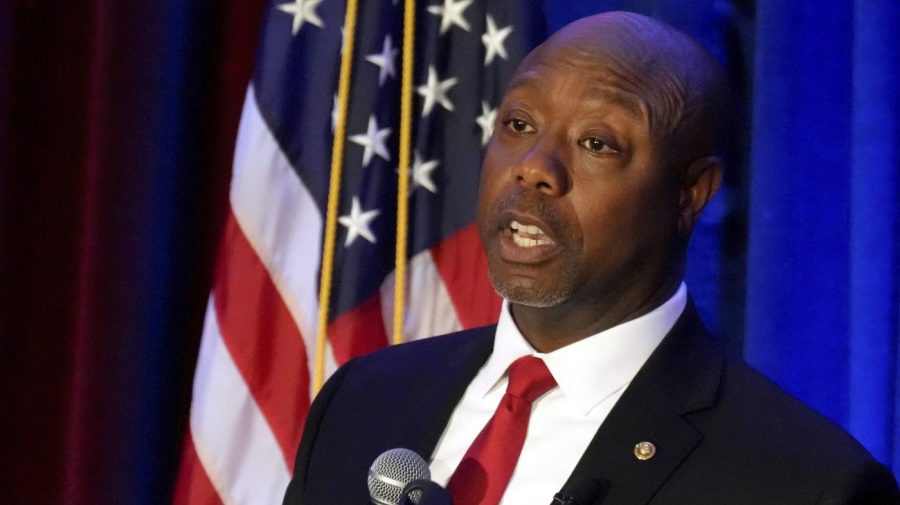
point(823, 255)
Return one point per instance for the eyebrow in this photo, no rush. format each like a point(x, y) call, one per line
point(627, 101)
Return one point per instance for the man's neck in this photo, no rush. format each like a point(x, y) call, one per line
point(550, 328)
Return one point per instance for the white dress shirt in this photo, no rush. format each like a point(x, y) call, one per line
point(591, 375)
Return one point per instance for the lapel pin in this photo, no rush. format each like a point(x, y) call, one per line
point(644, 450)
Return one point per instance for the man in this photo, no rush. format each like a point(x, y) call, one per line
point(602, 158)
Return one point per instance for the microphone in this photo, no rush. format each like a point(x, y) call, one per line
point(401, 477)
point(582, 492)
point(425, 492)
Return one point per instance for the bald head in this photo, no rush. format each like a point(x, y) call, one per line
point(681, 86)
point(599, 165)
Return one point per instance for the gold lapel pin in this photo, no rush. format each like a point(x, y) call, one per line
point(644, 450)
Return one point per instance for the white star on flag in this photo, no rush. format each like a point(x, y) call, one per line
point(304, 11)
point(451, 13)
point(493, 41)
point(385, 61)
point(435, 91)
point(373, 140)
point(486, 122)
point(421, 173)
point(357, 223)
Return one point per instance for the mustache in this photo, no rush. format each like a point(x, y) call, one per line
point(534, 205)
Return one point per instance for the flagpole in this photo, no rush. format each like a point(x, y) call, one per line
point(409, 27)
point(334, 193)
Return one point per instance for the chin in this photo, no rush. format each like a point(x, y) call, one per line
point(525, 293)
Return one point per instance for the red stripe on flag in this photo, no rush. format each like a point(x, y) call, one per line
point(462, 265)
point(262, 338)
point(192, 487)
point(358, 331)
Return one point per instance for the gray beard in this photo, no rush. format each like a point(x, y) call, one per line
point(531, 297)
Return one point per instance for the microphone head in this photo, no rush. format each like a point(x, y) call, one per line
point(392, 471)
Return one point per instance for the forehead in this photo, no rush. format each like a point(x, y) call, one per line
point(569, 74)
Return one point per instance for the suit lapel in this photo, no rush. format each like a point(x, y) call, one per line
point(435, 399)
point(681, 376)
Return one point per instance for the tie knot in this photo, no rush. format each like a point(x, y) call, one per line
point(529, 378)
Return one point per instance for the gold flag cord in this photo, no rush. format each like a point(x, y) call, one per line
point(334, 193)
point(409, 27)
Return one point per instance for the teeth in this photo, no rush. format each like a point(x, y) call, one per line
point(530, 242)
point(526, 228)
point(526, 235)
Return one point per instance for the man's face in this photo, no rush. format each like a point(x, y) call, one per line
point(576, 203)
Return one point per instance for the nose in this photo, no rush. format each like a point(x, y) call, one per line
point(542, 170)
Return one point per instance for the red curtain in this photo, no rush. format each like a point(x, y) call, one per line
point(117, 123)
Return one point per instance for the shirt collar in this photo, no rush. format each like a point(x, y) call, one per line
point(592, 369)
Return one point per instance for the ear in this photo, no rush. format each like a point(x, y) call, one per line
point(701, 182)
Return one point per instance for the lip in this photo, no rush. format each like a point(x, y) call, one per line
point(512, 252)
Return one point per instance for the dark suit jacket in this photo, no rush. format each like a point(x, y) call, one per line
point(724, 434)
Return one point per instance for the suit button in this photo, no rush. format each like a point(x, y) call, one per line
point(644, 450)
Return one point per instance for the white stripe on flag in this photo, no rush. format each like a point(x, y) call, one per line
point(234, 442)
point(429, 309)
point(279, 217)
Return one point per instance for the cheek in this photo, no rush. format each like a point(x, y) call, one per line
point(617, 223)
point(486, 185)
point(606, 222)
point(494, 173)
point(489, 185)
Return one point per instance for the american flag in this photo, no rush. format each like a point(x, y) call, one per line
point(254, 375)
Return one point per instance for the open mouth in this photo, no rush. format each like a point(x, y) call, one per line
point(528, 235)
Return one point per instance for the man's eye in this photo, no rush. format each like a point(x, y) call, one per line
point(518, 126)
point(597, 145)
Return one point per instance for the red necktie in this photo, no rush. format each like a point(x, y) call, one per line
point(485, 470)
